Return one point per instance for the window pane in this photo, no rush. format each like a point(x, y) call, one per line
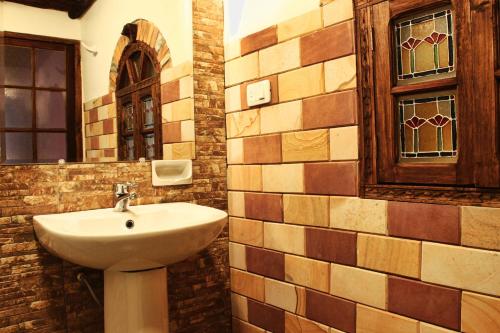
point(124, 79)
point(149, 146)
point(50, 68)
point(128, 117)
point(428, 127)
point(51, 109)
point(147, 107)
point(51, 147)
point(18, 70)
point(147, 68)
point(18, 108)
point(425, 47)
point(136, 62)
point(19, 147)
point(129, 148)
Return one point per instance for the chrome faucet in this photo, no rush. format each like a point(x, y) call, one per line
point(124, 196)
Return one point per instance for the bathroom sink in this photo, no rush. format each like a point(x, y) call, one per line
point(144, 237)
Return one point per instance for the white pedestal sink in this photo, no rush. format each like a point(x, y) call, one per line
point(133, 248)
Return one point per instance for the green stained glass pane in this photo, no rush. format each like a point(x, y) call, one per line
point(425, 46)
point(428, 127)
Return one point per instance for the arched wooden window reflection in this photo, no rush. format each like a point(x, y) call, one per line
point(138, 103)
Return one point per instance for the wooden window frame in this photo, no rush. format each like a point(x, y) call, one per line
point(74, 143)
point(133, 93)
point(475, 178)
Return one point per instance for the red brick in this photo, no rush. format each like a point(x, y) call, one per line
point(264, 206)
point(262, 149)
point(170, 92)
point(266, 262)
point(330, 310)
point(338, 178)
point(259, 40)
point(266, 316)
point(331, 245)
point(171, 132)
point(332, 110)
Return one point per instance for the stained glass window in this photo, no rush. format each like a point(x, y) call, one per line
point(129, 117)
point(425, 46)
point(149, 146)
point(428, 127)
point(130, 148)
point(147, 107)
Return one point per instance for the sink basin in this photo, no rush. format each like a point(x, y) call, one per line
point(160, 234)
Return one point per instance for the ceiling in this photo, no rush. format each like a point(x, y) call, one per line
point(75, 8)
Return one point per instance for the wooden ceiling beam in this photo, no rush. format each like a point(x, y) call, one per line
point(75, 8)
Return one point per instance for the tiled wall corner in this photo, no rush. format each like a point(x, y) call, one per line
point(302, 242)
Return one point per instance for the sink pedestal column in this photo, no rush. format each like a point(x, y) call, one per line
point(136, 302)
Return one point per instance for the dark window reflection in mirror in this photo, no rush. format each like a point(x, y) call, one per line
point(39, 117)
point(138, 101)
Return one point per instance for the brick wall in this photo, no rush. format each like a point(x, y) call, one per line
point(40, 293)
point(306, 253)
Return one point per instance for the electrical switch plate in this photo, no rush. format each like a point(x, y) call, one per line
point(259, 93)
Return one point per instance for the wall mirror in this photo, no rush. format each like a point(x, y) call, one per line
point(82, 82)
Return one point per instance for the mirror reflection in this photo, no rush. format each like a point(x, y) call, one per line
point(86, 84)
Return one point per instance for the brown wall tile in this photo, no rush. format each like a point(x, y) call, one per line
point(331, 311)
point(171, 132)
point(240, 326)
point(273, 79)
point(107, 99)
point(259, 40)
point(94, 142)
point(480, 313)
point(108, 126)
point(337, 109)
point(93, 115)
point(266, 262)
point(263, 206)
point(331, 245)
point(262, 149)
point(438, 223)
point(266, 316)
point(330, 43)
point(426, 302)
point(331, 178)
point(170, 92)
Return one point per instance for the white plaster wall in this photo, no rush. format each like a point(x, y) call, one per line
point(103, 23)
point(36, 21)
point(259, 14)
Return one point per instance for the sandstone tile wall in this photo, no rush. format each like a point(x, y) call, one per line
point(40, 293)
point(308, 255)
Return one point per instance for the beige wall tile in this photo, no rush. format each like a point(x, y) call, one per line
point(340, 74)
point(281, 118)
point(346, 282)
point(283, 178)
point(388, 254)
point(244, 177)
point(178, 110)
point(246, 231)
point(239, 306)
point(306, 209)
point(481, 227)
point(237, 256)
point(179, 151)
point(285, 238)
point(240, 326)
point(337, 11)
point(232, 50)
point(234, 151)
point(281, 295)
point(106, 111)
point(300, 25)
point(358, 214)
point(187, 130)
point(428, 328)
point(107, 141)
point(186, 87)
point(344, 143)
point(369, 320)
point(460, 267)
point(247, 284)
point(243, 123)
point(242, 69)
point(236, 203)
point(300, 83)
point(176, 72)
point(309, 273)
point(305, 146)
point(233, 99)
point(480, 313)
point(296, 324)
point(279, 58)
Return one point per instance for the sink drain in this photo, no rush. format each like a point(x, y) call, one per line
point(129, 224)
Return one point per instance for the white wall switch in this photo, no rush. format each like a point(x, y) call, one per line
point(259, 93)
